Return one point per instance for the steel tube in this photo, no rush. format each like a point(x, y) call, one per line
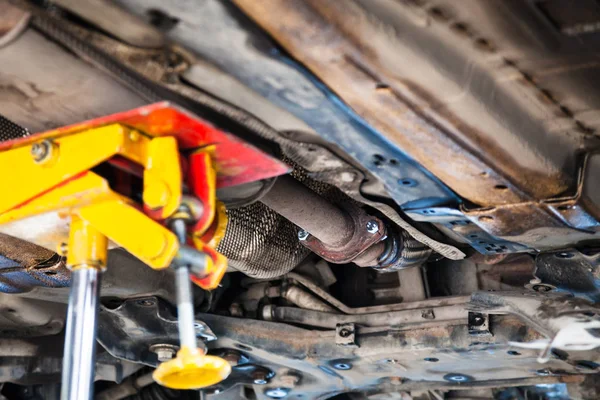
point(429, 303)
point(309, 211)
point(80, 336)
point(384, 319)
point(185, 308)
point(183, 285)
point(305, 300)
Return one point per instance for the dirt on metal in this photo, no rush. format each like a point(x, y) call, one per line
point(338, 51)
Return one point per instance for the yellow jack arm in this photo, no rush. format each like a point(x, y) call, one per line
point(61, 181)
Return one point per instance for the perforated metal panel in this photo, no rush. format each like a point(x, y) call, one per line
point(10, 130)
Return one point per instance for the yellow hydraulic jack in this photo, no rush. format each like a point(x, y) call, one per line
point(74, 181)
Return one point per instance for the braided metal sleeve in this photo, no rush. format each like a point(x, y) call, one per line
point(402, 251)
point(260, 243)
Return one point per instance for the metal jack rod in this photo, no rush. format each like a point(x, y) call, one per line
point(192, 368)
point(86, 257)
point(185, 299)
point(185, 308)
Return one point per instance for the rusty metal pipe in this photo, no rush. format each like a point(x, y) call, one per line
point(327, 297)
point(305, 300)
point(309, 211)
point(391, 318)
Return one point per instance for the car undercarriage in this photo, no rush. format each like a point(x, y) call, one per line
point(299, 199)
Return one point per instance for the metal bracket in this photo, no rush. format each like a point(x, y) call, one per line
point(345, 335)
point(128, 331)
point(479, 324)
point(568, 323)
point(456, 221)
point(368, 230)
point(243, 374)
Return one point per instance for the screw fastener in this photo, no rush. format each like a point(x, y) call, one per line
point(372, 227)
point(41, 151)
point(303, 235)
point(345, 333)
point(260, 378)
point(164, 352)
point(277, 393)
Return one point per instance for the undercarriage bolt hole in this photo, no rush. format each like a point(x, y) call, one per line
point(342, 366)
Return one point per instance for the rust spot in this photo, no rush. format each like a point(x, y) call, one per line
point(456, 152)
point(572, 379)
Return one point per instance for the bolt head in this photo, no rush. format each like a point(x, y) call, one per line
point(41, 151)
point(164, 352)
point(36, 149)
point(372, 227)
point(476, 319)
point(259, 378)
point(277, 393)
point(345, 333)
point(303, 235)
point(164, 355)
point(542, 288)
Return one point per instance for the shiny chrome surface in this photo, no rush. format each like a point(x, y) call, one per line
point(80, 336)
point(185, 308)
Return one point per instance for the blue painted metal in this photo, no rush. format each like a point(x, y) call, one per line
point(457, 222)
point(241, 50)
point(255, 61)
point(557, 391)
